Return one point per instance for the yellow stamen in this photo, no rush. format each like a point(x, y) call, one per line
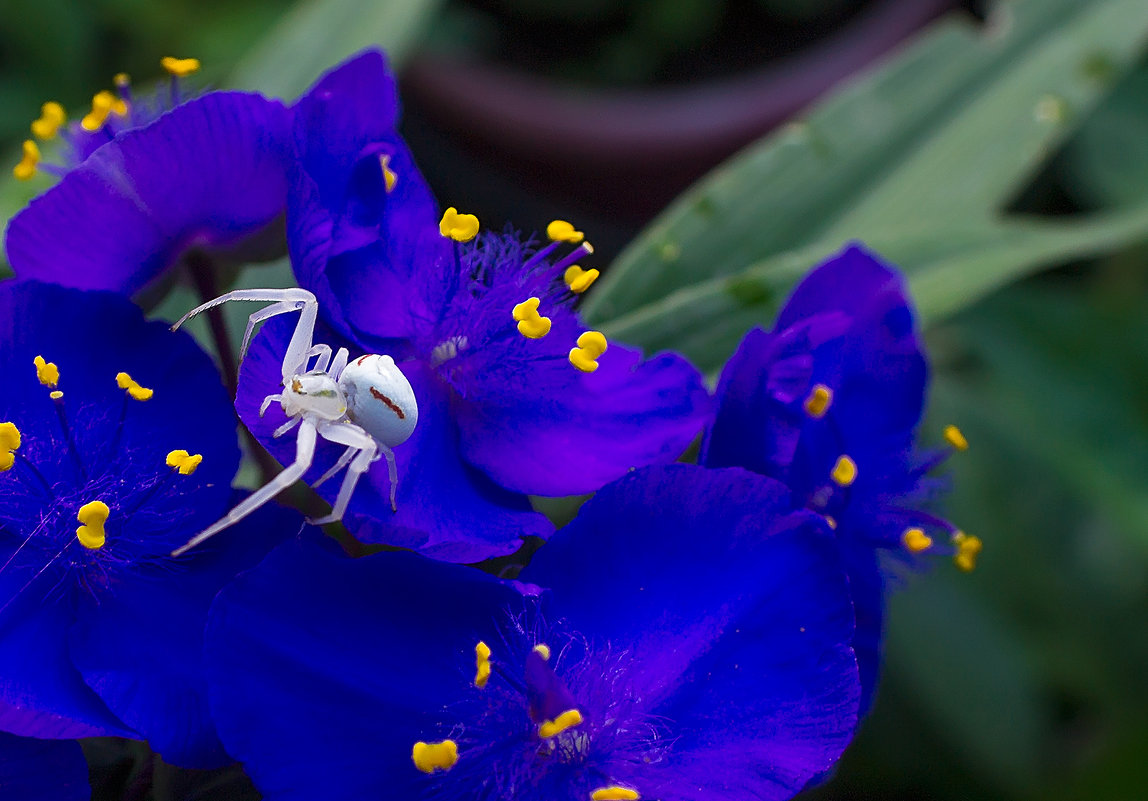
point(92, 516)
point(27, 166)
point(832, 521)
point(429, 757)
point(122, 80)
point(103, 104)
point(579, 280)
point(389, 176)
point(179, 67)
point(47, 372)
point(562, 231)
point(543, 651)
point(916, 540)
point(591, 345)
point(845, 471)
point(614, 793)
point(817, 404)
point(186, 463)
point(52, 116)
point(9, 442)
point(481, 665)
point(459, 227)
point(552, 728)
point(56, 395)
point(530, 324)
point(968, 549)
point(955, 438)
point(125, 381)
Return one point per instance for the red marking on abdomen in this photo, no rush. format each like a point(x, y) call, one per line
point(394, 407)
point(359, 361)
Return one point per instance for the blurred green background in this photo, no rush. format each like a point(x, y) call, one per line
point(999, 153)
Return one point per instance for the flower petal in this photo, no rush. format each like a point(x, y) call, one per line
point(155, 681)
point(92, 336)
point(326, 670)
point(210, 172)
point(41, 692)
point(553, 430)
point(355, 238)
point(738, 616)
point(42, 770)
point(445, 508)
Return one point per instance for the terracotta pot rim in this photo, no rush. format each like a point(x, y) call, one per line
point(539, 119)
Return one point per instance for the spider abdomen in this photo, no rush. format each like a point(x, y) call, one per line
point(380, 399)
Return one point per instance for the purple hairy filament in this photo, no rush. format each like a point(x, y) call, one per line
point(541, 725)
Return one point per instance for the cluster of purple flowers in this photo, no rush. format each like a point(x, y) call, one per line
point(699, 630)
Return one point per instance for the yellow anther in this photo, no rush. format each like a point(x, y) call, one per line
point(103, 104)
point(186, 463)
point(92, 517)
point(459, 227)
point(179, 67)
point(481, 665)
point(916, 540)
point(817, 404)
point(389, 176)
point(429, 757)
point(126, 382)
point(543, 651)
point(52, 116)
point(567, 720)
point(579, 280)
point(832, 521)
point(968, 549)
point(844, 471)
point(27, 166)
point(122, 80)
point(530, 324)
point(47, 372)
point(591, 345)
point(562, 231)
point(614, 793)
point(954, 437)
point(56, 395)
point(9, 442)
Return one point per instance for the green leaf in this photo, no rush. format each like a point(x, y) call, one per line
point(317, 34)
point(947, 267)
point(918, 157)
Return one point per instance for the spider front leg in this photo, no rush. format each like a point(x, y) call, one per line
point(304, 454)
point(284, 300)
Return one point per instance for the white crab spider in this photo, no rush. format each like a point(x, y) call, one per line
point(367, 405)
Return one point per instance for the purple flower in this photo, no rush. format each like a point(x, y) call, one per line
point(656, 663)
point(503, 410)
point(147, 181)
point(42, 770)
point(117, 443)
point(829, 403)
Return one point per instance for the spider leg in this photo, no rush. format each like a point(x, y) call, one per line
point(267, 402)
point(355, 438)
point(265, 295)
point(324, 354)
point(304, 453)
point(283, 429)
point(276, 308)
point(285, 300)
point(392, 474)
point(343, 461)
point(339, 364)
